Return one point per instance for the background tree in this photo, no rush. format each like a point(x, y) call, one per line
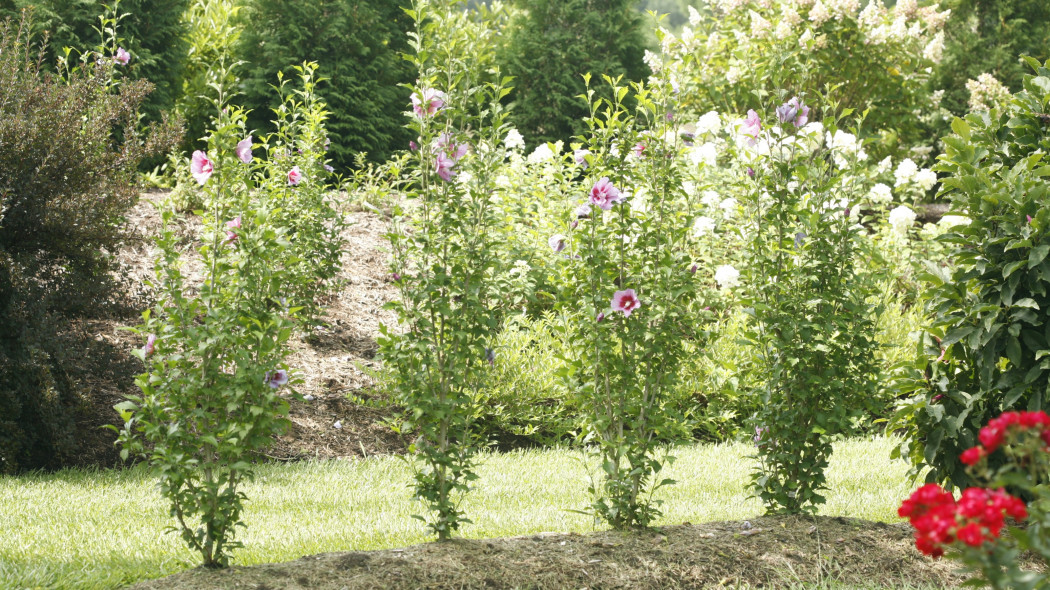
point(988, 36)
point(551, 44)
point(356, 43)
point(153, 31)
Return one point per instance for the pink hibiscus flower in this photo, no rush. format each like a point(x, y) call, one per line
point(244, 150)
point(427, 102)
point(122, 57)
point(294, 176)
point(604, 194)
point(625, 301)
point(201, 167)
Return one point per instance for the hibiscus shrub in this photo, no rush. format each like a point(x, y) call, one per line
point(813, 329)
point(214, 353)
point(629, 294)
point(986, 350)
point(443, 255)
point(68, 158)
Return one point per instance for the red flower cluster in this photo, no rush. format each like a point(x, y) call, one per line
point(993, 435)
point(940, 520)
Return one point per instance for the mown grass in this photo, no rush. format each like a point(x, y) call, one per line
point(104, 529)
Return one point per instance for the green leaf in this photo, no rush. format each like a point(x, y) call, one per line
point(1038, 254)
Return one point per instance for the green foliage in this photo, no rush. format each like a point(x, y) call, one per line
point(551, 44)
point(356, 43)
point(987, 36)
point(153, 29)
point(314, 225)
point(442, 261)
point(813, 330)
point(873, 58)
point(65, 184)
point(985, 350)
point(212, 29)
point(625, 357)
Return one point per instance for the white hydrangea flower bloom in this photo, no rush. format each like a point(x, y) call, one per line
point(514, 140)
point(884, 165)
point(905, 171)
point(542, 153)
point(819, 14)
point(728, 205)
point(727, 277)
point(703, 226)
point(880, 194)
point(710, 122)
point(710, 198)
point(901, 219)
point(694, 17)
point(949, 221)
point(925, 178)
point(934, 50)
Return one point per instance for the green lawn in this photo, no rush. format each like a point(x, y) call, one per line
point(104, 529)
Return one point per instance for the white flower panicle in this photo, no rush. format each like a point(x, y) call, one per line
point(905, 172)
point(514, 140)
point(710, 122)
point(901, 219)
point(880, 194)
point(934, 50)
point(704, 225)
point(760, 27)
point(925, 178)
point(819, 14)
point(986, 92)
point(727, 277)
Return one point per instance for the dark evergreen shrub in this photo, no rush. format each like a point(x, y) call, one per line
point(65, 184)
point(357, 45)
point(551, 44)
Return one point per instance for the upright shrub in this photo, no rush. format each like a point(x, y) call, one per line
point(357, 44)
point(551, 44)
point(860, 54)
point(65, 183)
point(985, 350)
point(813, 331)
point(443, 255)
point(630, 289)
point(210, 398)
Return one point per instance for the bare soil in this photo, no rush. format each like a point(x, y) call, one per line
point(335, 359)
point(766, 552)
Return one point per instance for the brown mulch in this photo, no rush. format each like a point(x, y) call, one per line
point(766, 552)
point(334, 360)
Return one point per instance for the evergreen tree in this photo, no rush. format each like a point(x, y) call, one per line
point(357, 45)
point(552, 43)
point(153, 31)
point(988, 36)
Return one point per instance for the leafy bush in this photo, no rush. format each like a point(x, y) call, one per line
point(442, 261)
point(813, 331)
point(986, 36)
point(551, 44)
point(629, 292)
point(65, 184)
point(212, 30)
point(732, 57)
point(154, 31)
point(356, 44)
point(985, 350)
